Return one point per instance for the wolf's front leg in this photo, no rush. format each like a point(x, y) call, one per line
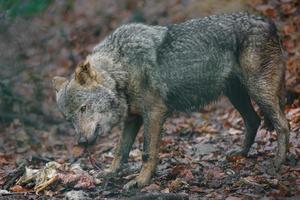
point(126, 140)
point(153, 121)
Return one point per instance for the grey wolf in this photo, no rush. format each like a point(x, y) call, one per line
point(139, 74)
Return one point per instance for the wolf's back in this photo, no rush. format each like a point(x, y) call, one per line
point(182, 61)
point(198, 57)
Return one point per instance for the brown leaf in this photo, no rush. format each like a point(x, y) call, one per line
point(4, 160)
point(196, 189)
point(267, 10)
point(81, 179)
point(177, 170)
point(151, 188)
point(288, 8)
point(296, 21)
point(288, 29)
point(187, 174)
point(254, 3)
point(77, 150)
point(206, 128)
point(289, 45)
point(235, 158)
point(18, 188)
point(176, 184)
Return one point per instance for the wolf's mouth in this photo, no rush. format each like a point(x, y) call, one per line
point(91, 139)
point(97, 131)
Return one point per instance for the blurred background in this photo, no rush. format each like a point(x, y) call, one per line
point(40, 39)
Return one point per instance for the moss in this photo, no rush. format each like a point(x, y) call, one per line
point(23, 8)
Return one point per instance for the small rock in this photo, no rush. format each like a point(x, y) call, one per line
point(4, 192)
point(77, 195)
point(203, 149)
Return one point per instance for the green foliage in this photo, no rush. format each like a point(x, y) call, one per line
point(23, 8)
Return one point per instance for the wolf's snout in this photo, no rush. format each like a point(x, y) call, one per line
point(86, 140)
point(83, 141)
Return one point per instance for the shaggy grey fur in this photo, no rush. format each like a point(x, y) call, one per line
point(182, 60)
point(141, 70)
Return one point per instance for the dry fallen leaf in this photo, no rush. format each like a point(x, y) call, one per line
point(151, 188)
point(288, 8)
point(18, 188)
point(267, 10)
point(175, 184)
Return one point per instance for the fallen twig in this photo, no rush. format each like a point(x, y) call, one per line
point(14, 175)
point(92, 160)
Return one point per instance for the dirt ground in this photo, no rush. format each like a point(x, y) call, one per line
point(193, 155)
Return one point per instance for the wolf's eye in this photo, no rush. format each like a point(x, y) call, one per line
point(83, 108)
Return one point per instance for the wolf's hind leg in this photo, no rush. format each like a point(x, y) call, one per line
point(240, 99)
point(266, 87)
point(269, 103)
point(263, 72)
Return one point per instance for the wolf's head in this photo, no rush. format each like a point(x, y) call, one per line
point(89, 102)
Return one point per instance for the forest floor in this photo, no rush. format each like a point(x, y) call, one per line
point(193, 153)
point(193, 160)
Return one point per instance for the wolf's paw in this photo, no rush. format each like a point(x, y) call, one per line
point(136, 183)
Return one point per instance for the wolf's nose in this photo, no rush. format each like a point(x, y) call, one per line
point(83, 141)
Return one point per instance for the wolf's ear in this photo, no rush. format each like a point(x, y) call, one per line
point(85, 74)
point(58, 82)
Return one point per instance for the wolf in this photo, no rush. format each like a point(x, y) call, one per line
point(140, 74)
